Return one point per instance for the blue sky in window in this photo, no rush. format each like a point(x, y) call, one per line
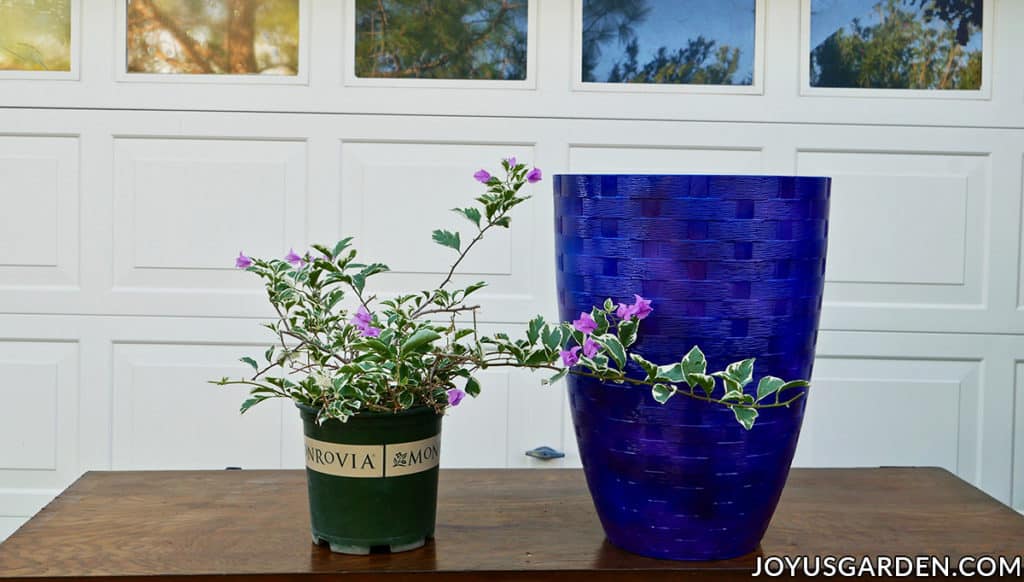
point(828, 16)
point(670, 23)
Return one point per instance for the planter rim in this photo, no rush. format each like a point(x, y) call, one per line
point(685, 175)
point(415, 411)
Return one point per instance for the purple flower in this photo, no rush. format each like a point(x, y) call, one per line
point(590, 347)
point(570, 357)
point(534, 176)
point(585, 324)
point(362, 320)
point(455, 396)
point(482, 176)
point(242, 261)
point(362, 316)
point(641, 307)
point(293, 258)
point(511, 161)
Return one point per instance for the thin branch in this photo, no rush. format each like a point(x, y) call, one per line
point(452, 310)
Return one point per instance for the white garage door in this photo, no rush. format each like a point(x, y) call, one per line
point(138, 156)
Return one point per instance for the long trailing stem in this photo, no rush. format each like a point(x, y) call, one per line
point(505, 362)
point(401, 357)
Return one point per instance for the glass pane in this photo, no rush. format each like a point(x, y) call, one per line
point(241, 37)
point(896, 44)
point(689, 42)
point(453, 39)
point(35, 35)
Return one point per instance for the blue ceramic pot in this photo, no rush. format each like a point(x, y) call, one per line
point(734, 264)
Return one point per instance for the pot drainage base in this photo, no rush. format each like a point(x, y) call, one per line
point(367, 550)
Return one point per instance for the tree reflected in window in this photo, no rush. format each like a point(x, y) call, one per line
point(435, 39)
point(241, 37)
point(896, 44)
point(698, 42)
point(35, 35)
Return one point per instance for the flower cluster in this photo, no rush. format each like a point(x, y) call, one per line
point(363, 322)
point(341, 351)
point(586, 324)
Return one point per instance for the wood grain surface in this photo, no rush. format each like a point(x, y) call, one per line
point(492, 525)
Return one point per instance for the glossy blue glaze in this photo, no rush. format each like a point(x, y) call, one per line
point(734, 264)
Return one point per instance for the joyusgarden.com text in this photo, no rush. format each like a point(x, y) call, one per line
point(891, 566)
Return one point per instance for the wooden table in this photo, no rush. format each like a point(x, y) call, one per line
point(492, 525)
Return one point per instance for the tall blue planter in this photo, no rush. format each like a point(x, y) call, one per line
point(734, 264)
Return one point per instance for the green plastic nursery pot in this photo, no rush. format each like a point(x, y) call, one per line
point(372, 480)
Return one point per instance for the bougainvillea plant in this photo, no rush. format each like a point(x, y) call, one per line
point(343, 351)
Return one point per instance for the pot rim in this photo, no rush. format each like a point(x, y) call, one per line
point(415, 411)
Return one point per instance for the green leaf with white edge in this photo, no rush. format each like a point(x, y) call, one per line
point(741, 372)
point(378, 346)
point(250, 403)
point(251, 362)
point(536, 358)
point(649, 367)
point(733, 390)
point(733, 395)
point(794, 384)
point(551, 337)
point(534, 329)
point(602, 321)
point(769, 385)
point(614, 347)
point(565, 332)
point(558, 376)
point(473, 387)
point(406, 399)
point(373, 269)
point(745, 416)
point(609, 305)
point(694, 362)
point(472, 288)
point(447, 238)
point(627, 332)
point(419, 339)
point(598, 363)
point(671, 373)
point(662, 392)
point(340, 246)
point(577, 336)
point(323, 250)
point(703, 381)
point(471, 214)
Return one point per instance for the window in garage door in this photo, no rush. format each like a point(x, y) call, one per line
point(178, 38)
point(469, 39)
point(930, 45)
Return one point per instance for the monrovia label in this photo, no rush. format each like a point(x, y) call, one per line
point(414, 457)
point(345, 460)
point(374, 461)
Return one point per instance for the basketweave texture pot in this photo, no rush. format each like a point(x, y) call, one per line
point(734, 264)
point(372, 480)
